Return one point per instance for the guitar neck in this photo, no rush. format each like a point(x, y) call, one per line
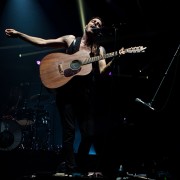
point(98, 58)
point(115, 53)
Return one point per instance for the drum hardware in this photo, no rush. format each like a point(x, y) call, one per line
point(43, 131)
point(36, 136)
point(24, 116)
point(27, 137)
point(15, 97)
point(42, 138)
point(39, 97)
point(26, 129)
point(42, 116)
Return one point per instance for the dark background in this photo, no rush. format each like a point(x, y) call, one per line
point(152, 76)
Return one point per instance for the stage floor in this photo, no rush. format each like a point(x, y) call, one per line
point(21, 164)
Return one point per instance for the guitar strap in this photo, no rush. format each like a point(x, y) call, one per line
point(74, 47)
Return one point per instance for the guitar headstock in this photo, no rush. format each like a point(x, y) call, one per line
point(137, 49)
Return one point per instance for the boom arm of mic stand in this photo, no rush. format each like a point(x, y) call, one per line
point(165, 74)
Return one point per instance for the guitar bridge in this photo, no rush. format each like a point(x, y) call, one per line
point(60, 68)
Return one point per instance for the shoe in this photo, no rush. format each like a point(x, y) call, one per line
point(65, 169)
point(58, 174)
point(95, 175)
point(61, 168)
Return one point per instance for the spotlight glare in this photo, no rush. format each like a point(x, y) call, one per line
point(38, 62)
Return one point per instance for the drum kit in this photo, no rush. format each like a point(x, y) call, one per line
point(25, 128)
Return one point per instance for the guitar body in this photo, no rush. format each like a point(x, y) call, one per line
point(56, 70)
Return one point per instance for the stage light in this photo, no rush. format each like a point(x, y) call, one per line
point(38, 62)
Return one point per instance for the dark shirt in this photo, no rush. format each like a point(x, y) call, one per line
point(79, 89)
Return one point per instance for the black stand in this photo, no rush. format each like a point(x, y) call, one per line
point(40, 119)
point(161, 82)
point(116, 48)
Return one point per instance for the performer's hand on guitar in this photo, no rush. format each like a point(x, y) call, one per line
point(136, 49)
point(122, 51)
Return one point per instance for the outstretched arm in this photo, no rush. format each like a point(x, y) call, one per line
point(31, 39)
point(63, 41)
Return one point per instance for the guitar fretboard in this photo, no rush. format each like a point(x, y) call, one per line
point(97, 58)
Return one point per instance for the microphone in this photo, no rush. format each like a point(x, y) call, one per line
point(103, 30)
point(107, 29)
point(144, 103)
point(97, 31)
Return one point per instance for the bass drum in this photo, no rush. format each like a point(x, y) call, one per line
point(10, 134)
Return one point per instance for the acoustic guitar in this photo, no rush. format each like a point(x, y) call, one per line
point(57, 69)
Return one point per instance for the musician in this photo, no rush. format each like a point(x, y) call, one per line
point(75, 99)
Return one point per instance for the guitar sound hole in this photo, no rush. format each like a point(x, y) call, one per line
point(75, 65)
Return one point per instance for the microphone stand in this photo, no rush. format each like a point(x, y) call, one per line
point(116, 45)
point(161, 82)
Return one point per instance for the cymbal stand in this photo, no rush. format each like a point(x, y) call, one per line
point(35, 145)
point(41, 115)
point(45, 141)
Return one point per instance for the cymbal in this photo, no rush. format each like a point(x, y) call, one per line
point(41, 97)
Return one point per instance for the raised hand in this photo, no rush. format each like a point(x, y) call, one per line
point(11, 33)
